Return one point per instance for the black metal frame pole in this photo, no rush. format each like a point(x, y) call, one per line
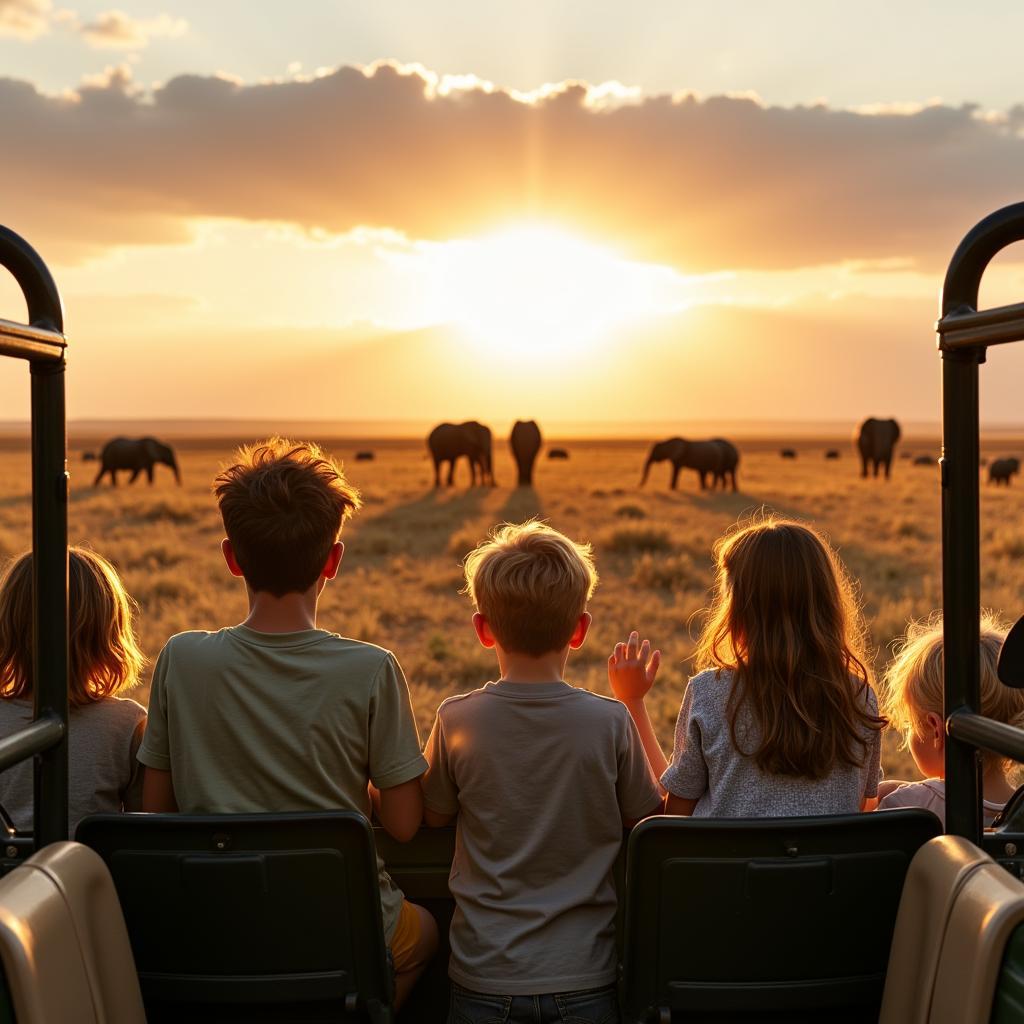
point(49, 587)
point(961, 569)
point(961, 583)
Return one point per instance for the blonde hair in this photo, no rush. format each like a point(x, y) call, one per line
point(913, 684)
point(104, 657)
point(532, 584)
point(283, 504)
point(785, 621)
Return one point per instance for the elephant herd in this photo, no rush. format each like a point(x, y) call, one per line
point(715, 461)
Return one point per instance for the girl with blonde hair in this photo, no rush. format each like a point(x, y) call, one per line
point(781, 719)
point(105, 729)
point(912, 696)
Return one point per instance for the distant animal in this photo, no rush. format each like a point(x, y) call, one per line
point(716, 457)
point(364, 456)
point(525, 443)
point(832, 453)
point(448, 442)
point(137, 454)
point(788, 453)
point(924, 460)
point(875, 442)
point(557, 453)
point(88, 456)
point(906, 455)
point(1000, 471)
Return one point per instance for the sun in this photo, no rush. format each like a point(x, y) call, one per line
point(537, 289)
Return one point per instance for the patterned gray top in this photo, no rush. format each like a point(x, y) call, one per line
point(706, 767)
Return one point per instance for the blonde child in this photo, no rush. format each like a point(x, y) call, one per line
point(105, 730)
point(912, 696)
point(782, 719)
point(541, 777)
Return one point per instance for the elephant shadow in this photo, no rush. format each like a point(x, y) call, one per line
point(423, 527)
point(523, 503)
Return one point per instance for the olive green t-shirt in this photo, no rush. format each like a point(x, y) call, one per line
point(248, 722)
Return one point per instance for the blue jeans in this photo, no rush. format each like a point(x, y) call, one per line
point(594, 1006)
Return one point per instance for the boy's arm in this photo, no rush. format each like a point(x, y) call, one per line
point(158, 792)
point(395, 760)
point(440, 794)
point(399, 808)
point(632, 670)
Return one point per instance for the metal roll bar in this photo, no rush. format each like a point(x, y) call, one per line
point(964, 334)
point(41, 342)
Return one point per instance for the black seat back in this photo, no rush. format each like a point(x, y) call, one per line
point(247, 917)
point(781, 919)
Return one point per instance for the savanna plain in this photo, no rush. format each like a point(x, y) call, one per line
point(400, 579)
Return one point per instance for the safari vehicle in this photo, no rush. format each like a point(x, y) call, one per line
point(275, 917)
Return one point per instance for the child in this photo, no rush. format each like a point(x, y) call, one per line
point(104, 660)
point(913, 701)
point(782, 721)
point(542, 776)
point(275, 714)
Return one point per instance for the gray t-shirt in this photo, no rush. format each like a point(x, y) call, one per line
point(541, 776)
point(248, 721)
point(726, 783)
point(103, 774)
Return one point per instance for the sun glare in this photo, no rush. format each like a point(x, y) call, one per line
point(536, 289)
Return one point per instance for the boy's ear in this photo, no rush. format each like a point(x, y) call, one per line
point(334, 556)
point(229, 556)
point(483, 631)
point(579, 634)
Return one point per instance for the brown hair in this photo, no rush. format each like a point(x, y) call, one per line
point(913, 684)
point(283, 504)
point(785, 620)
point(104, 657)
point(532, 585)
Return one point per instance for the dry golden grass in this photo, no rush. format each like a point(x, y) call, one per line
point(400, 578)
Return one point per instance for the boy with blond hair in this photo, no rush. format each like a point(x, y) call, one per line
point(275, 714)
point(542, 777)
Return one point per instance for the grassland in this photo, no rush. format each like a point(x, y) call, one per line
point(400, 578)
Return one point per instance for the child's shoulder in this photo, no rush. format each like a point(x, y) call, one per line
point(926, 793)
point(116, 712)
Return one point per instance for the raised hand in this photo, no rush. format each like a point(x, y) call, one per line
point(632, 668)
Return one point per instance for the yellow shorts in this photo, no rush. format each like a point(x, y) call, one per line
point(406, 937)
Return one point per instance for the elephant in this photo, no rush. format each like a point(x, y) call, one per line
point(717, 457)
point(138, 454)
point(832, 453)
point(1001, 471)
point(924, 460)
point(558, 453)
point(364, 456)
point(788, 453)
point(525, 443)
point(448, 442)
point(875, 442)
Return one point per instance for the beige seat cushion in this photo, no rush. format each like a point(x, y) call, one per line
point(989, 906)
point(937, 874)
point(63, 943)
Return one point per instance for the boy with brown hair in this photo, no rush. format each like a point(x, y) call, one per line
point(542, 777)
point(275, 714)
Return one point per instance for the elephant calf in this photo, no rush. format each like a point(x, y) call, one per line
point(1001, 471)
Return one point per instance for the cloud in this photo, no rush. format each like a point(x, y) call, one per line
point(115, 30)
point(25, 19)
point(703, 183)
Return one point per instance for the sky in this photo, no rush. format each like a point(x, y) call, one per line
point(663, 211)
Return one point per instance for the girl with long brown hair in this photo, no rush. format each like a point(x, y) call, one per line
point(781, 719)
point(105, 729)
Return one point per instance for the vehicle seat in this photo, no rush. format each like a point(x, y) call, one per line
point(784, 919)
point(250, 917)
point(936, 877)
point(63, 944)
